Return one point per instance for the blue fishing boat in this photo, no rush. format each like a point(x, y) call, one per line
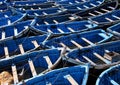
point(79, 40)
point(100, 57)
point(100, 10)
point(84, 6)
point(71, 2)
point(115, 29)
point(46, 12)
point(65, 28)
point(107, 19)
point(16, 30)
point(11, 20)
point(110, 76)
point(29, 65)
point(76, 75)
point(54, 19)
point(20, 46)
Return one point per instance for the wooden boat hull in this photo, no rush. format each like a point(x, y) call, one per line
point(100, 10)
point(31, 64)
point(11, 20)
point(107, 19)
point(15, 31)
point(115, 29)
point(66, 28)
point(110, 76)
point(20, 46)
point(79, 40)
point(79, 75)
point(100, 56)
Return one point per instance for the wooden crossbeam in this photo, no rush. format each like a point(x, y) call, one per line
point(71, 30)
point(9, 22)
point(71, 79)
point(31, 8)
point(35, 43)
point(6, 16)
point(71, 18)
point(32, 68)
point(63, 45)
point(116, 17)
point(110, 20)
point(98, 12)
point(15, 75)
point(77, 1)
point(86, 58)
point(79, 8)
point(70, 3)
point(15, 31)
point(85, 6)
point(49, 30)
point(92, 4)
point(91, 14)
point(39, 8)
point(101, 58)
point(76, 44)
point(86, 40)
point(48, 61)
point(105, 10)
point(3, 35)
point(6, 52)
point(36, 14)
point(61, 31)
point(21, 49)
point(56, 22)
point(44, 13)
point(113, 82)
point(46, 23)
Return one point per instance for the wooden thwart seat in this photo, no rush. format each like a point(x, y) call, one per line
point(87, 41)
point(35, 43)
point(98, 12)
point(36, 14)
point(6, 16)
point(113, 82)
point(105, 10)
point(9, 22)
point(49, 30)
point(91, 14)
point(56, 22)
point(110, 20)
point(48, 61)
point(116, 17)
point(85, 6)
point(3, 34)
point(6, 52)
point(21, 49)
point(86, 58)
point(92, 4)
point(63, 45)
point(44, 13)
point(76, 44)
point(32, 68)
point(71, 79)
point(15, 31)
point(101, 58)
point(71, 30)
point(61, 31)
point(79, 8)
point(15, 75)
point(46, 23)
